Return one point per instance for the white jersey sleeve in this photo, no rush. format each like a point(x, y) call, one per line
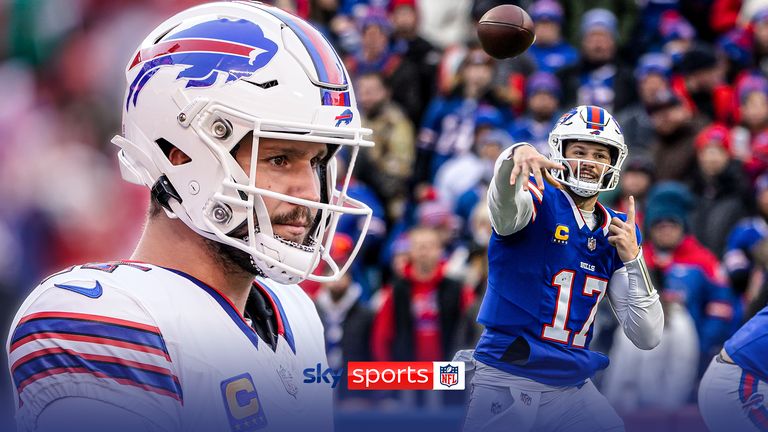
point(636, 304)
point(81, 334)
point(511, 208)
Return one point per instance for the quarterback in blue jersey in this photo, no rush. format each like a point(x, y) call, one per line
point(554, 254)
point(732, 391)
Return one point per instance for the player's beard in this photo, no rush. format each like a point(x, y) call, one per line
point(232, 259)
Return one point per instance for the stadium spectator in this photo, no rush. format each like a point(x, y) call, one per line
point(676, 127)
point(346, 319)
point(388, 167)
point(759, 26)
point(699, 79)
point(739, 259)
point(735, 48)
point(542, 94)
point(599, 78)
point(404, 16)
point(752, 91)
point(550, 52)
point(661, 379)
point(758, 161)
point(719, 187)
point(449, 125)
point(637, 177)
point(651, 75)
point(464, 172)
point(678, 35)
point(686, 271)
point(419, 312)
point(476, 272)
point(625, 10)
point(376, 55)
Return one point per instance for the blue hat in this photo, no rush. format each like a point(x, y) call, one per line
point(542, 82)
point(375, 17)
point(760, 16)
point(599, 19)
point(488, 115)
point(737, 46)
point(674, 26)
point(546, 10)
point(499, 137)
point(750, 84)
point(651, 63)
point(670, 201)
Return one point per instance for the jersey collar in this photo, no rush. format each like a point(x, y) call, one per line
point(606, 217)
point(225, 304)
point(283, 327)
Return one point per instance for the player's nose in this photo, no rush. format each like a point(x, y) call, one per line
point(304, 183)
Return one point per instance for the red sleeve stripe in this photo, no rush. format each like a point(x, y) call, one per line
point(535, 191)
point(89, 317)
point(92, 357)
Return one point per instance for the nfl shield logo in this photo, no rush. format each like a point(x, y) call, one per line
point(449, 375)
point(287, 378)
point(591, 243)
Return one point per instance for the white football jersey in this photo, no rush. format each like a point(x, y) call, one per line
point(167, 347)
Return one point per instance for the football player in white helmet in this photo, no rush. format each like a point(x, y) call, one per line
point(233, 116)
point(554, 253)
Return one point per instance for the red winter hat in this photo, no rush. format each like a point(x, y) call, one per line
point(394, 4)
point(716, 134)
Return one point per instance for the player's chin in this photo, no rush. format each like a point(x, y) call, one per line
point(296, 234)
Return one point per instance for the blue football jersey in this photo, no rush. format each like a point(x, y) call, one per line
point(714, 307)
point(744, 236)
point(748, 347)
point(544, 285)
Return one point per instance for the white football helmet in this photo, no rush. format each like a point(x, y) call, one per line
point(593, 124)
point(202, 81)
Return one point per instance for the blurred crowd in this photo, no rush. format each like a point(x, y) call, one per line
point(686, 80)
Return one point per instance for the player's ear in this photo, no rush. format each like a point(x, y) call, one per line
point(178, 157)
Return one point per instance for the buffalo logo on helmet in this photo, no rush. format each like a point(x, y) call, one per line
point(345, 118)
point(567, 116)
point(235, 48)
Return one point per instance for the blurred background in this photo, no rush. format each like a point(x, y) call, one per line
point(686, 80)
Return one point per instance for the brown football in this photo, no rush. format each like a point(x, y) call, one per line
point(506, 31)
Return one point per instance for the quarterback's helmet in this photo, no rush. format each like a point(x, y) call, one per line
point(592, 124)
point(205, 79)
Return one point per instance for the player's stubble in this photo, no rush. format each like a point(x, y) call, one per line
point(233, 260)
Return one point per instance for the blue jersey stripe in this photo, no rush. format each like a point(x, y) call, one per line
point(28, 369)
point(89, 328)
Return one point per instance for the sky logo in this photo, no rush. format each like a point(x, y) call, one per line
point(317, 375)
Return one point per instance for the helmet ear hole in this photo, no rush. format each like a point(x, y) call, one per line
point(174, 155)
point(614, 154)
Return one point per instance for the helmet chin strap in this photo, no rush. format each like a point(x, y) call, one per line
point(586, 193)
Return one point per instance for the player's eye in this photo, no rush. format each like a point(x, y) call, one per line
point(315, 161)
point(278, 161)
